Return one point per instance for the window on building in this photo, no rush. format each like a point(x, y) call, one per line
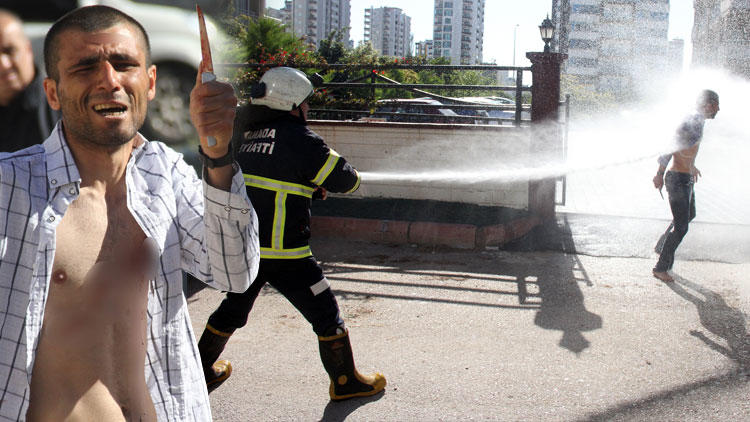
point(652, 49)
point(618, 11)
point(448, 12)
point(582, 62)
point(447, 36)
point(578, 43)
point(585, 8)
point(446, 53)
point(646, 14)
point(447, 21)
point(447, 28)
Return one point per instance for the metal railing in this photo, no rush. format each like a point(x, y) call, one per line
point(562, 181)
point(462, 108)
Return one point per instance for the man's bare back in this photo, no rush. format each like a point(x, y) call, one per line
point(90, 359)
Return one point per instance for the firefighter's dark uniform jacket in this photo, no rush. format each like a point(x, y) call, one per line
point(283, 161)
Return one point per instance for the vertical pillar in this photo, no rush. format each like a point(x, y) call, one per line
point(546, 139)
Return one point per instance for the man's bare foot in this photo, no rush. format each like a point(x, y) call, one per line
point(663, 276)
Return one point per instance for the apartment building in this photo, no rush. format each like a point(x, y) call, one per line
point(676, 55)
point(389, 31)
point(721, 35)
point(612, 44)
point(252, 8)
point(316, 19)
point(423, 48)
point(458, 30)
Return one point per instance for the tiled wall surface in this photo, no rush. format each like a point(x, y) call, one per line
point(456, 163)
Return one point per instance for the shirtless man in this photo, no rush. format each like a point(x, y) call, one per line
point(679, 181)
point(99, 224)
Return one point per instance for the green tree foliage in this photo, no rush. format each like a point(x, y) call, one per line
point(332, 48)
point(585, 100)
point(261, 38)
point(265, 41)
point(352, 99)
point(469, 77)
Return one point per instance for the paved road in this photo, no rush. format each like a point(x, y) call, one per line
point(616, 236)
point(581, 332)
point(499, 335)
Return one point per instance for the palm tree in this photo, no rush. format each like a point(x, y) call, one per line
point(260, 39)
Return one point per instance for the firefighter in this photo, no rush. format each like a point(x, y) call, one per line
point(286, 165)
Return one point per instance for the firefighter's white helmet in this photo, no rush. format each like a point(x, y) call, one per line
point(285, 89)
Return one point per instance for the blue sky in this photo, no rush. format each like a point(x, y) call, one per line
point(501, 18)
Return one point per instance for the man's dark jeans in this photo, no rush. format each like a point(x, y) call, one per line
point(682, 201)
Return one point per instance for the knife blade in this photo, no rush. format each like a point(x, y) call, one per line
point(208, 65)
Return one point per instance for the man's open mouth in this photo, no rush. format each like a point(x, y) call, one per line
point(110, 110)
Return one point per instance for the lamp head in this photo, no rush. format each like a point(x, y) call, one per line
point(547, 31)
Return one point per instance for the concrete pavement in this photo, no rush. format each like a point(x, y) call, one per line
point(501, 335)
point(566, 324)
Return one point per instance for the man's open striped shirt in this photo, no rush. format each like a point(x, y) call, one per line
point(168, 201)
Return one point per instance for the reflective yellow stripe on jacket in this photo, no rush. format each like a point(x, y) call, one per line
point(282, 189)
point(297, 253)
point(328, 166)
point(356, 185)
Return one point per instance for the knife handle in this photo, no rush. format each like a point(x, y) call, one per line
point(208, 77)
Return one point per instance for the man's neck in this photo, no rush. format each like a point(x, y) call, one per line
point(104, 166)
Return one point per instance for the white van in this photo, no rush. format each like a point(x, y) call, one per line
point(175, 49)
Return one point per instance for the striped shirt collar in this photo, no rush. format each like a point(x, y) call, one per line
point(61, 166)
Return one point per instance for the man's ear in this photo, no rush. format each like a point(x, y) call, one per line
point(50, 89)
point(151, 82)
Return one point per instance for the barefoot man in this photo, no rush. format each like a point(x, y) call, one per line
point(680, 179)
point(97, 225)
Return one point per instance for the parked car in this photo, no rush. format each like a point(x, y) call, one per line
point(416, 110)
point(175, 50)
point(507, 112)
point(466, 110)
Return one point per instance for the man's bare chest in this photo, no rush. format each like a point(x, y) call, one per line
point(101, 259)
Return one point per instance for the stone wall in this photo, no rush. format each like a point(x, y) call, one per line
point(480, 165)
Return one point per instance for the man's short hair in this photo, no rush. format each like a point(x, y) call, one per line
point(86, 19)
point(707, 96)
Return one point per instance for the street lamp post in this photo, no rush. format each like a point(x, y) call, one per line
point(547, 31)
point(545, 102)
point(515, 29)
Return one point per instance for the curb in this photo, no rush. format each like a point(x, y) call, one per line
point(461, 236)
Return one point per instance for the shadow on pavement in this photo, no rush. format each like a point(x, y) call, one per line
point(547, 283)
point(652, 407)
point(562, 305)
point(719, 319)
point(338, 411)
